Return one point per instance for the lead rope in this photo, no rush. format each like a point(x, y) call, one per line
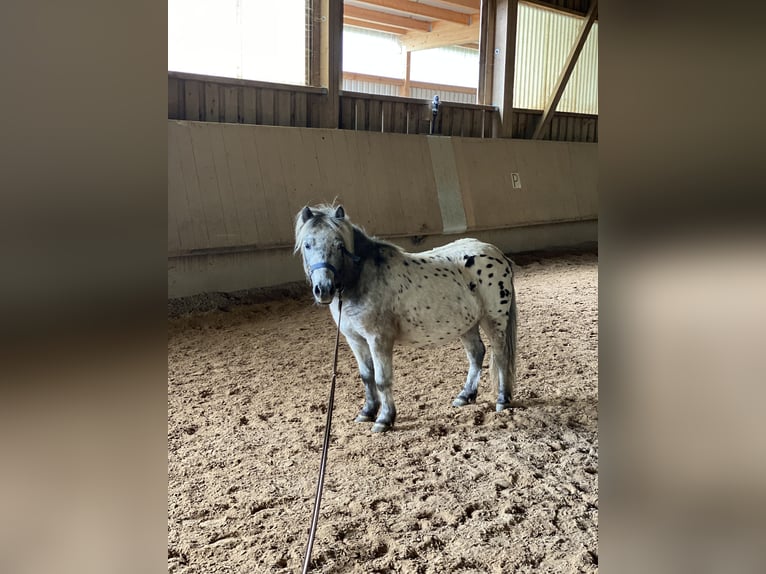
point(325, 446)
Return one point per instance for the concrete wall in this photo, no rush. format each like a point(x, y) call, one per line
point(234, 190)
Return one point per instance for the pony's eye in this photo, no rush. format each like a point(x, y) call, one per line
point(307, 246)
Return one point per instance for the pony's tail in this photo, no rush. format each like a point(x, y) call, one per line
point(509, 342)
point(510, 337)
point(510, 333)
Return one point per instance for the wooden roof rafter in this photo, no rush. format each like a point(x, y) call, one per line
point(470, 4)
point(385, 18)
point(373, 26)
point(421, 9)
point(441, 34)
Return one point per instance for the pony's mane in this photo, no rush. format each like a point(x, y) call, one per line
point(324, 214)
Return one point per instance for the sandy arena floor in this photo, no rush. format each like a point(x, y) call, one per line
point(449, 490)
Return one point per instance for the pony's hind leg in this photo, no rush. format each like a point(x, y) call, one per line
point(474, 348)
point(501, 333)
point(367, 371)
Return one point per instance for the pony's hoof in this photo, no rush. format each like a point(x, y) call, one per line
point(500, 407)
point(362, 418)
point(381, 427)
point(461, 402)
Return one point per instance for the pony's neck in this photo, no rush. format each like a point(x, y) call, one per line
point(370, 253)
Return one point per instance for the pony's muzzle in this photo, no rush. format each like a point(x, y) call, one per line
point(324, 289)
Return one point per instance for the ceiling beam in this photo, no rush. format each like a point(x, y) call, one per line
point(420, 9)
point(442, 34)
point(385, 18)
point(472, 4)
point(555, 8)
point(373, 26)
point(561, 84)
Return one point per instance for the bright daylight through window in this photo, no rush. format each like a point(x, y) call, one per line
point(248, 39)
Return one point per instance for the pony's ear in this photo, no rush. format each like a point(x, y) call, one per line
point(340, 213)
point(306, 214)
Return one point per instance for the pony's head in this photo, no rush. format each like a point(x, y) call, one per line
point(324, 236)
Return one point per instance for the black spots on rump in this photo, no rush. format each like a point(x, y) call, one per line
point(472, 285)
point(469, 261)
point(478, 272)
point(491, 275)
point(503, 301)
point(406, 263)
point(489, 265)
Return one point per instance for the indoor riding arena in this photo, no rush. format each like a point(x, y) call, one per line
point(250, 351)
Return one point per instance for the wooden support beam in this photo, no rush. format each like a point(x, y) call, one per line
point(420, 9)
point(561, 83)
point(473, 4)
point(330, 60)
point(503, 64)
point(373, 26)
point(313, 41)
point(442, 34)
point(386, 18)
point(406, 87)
point(486, 51)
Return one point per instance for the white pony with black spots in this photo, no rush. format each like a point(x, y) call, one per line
point(392, 296)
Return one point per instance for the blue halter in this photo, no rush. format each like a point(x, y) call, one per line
point(330, 266)
point(323, 265)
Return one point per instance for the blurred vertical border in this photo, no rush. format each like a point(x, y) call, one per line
point(682, 284)
point(83, 287)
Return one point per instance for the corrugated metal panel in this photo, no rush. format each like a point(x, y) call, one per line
point(544, 40)
point(371, 88)
point(445, 96)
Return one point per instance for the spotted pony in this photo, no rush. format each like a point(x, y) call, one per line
point(392, 296)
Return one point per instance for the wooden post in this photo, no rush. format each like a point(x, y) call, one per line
point(330, 59)
point(561, 84)
point(486, 51)
point(503, 64)
point(313, 35)
point(406, 87)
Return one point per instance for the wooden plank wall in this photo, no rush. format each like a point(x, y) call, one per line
point(372, 112)
point(223, 100)
point(562, 127)
point(235, 186)
point(558, 181)
point(238, 187)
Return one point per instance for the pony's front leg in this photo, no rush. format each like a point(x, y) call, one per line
point(366, 370)
point(383, 362)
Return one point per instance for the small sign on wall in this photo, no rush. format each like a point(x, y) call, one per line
point(515, 181)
